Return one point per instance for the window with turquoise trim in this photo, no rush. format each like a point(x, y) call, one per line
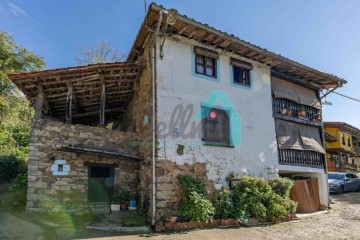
point(241, 76)
point(216, 127)
point(205, 65)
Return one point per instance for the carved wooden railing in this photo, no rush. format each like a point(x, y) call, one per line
point(301, 158)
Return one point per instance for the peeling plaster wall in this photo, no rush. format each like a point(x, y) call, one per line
point(178, 85)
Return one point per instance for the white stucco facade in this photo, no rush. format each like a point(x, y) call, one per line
point(178, 87)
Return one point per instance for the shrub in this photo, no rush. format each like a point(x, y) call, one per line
point(19, 183)
point(223, 205)
point(281, 186)
point(194, 205)
point(10, 167)
point(248, 197)
point(257, 197)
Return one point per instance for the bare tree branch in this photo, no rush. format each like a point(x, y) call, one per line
point(102, 53)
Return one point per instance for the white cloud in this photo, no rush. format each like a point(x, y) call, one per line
point(16, 10)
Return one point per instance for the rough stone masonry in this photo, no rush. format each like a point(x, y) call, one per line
point(48, 142)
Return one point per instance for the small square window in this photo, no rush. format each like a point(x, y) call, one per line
point(241, 76)
point(60, 168)
point(205, 65)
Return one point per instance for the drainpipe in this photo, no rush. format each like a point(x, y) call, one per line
point(153, 79)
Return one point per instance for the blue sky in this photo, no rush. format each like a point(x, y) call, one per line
point(322, 34)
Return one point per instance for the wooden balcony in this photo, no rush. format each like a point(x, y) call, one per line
point(279, 104)
point(356, 150)
point(301, 158)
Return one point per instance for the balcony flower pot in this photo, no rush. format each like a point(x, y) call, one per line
point(301, 112)
point(288, 111)
point(317, 119)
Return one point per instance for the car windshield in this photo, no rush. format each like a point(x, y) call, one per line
point(336, 176)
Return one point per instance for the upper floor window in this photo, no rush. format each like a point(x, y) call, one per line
point(205, 62)
point(216, 127)
point(343, 139)
point(349, 141)
point(241, 72)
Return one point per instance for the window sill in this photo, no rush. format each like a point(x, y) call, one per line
point(211, 144)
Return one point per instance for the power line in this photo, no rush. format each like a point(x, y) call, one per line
point(348, 97)
point(42, 29)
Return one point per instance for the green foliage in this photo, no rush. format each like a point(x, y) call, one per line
point(281, 186)
point(194, 205)
point(120, 195)
point(15, 112)
point(19, 183)
point(256, 197)
point(188, 183)
point(223, 205)
point(11, 166)
point(249, 195)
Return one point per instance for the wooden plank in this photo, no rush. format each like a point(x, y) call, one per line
point(39, 105)
point(41, 90)
point(306, 194)
point(103, 98)
point(68, 104)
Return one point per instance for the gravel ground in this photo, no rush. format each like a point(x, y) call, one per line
point(341, 222)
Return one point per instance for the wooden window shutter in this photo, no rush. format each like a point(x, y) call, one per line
point(206, 52)
point(241, 64)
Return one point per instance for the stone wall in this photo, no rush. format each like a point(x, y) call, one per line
point(138, 119)
point(52, 193)
point(168, 188)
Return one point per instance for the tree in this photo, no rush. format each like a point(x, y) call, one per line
point(15, 111)
point(14, 58)
point(102, 53)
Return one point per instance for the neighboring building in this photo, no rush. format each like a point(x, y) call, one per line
point(220, 107)
point(343, 147)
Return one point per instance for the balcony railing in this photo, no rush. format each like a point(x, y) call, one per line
point(357, 150)
point(301, 158)
point(279, 104)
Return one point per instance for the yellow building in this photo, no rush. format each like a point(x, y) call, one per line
point(342, 143)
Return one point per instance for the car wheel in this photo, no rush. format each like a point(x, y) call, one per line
point(340, 190)
point(358, 188)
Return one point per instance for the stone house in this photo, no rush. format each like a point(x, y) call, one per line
point(190, 100)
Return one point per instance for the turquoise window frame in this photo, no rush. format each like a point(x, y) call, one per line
point(238, 85)
point(198, 75)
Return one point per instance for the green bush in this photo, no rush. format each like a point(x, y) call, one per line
point(10, 167)
point(223, 205)
point(194, 205)
point(281, 186)
point(249, 195)
point(19, 183)
point(257, 197)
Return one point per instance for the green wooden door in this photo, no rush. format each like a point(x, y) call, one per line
point(100, 184)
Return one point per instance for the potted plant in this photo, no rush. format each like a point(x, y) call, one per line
point(115, 200)
point(317, 118)
point(133, 201)
point(301, 112)
point(288, 111)
point(124, 198)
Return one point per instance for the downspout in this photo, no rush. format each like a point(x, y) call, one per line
point(153, 79)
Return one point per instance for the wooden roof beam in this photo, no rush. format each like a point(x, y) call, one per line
point(103, 98)
point(41, 91)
